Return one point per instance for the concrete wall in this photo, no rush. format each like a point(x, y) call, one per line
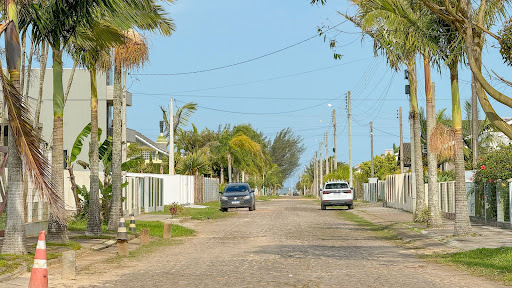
point(77, 112)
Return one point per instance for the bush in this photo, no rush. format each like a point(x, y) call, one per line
point(495, 165)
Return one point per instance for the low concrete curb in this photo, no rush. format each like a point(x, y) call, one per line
point(103, 245)
point(22, 269)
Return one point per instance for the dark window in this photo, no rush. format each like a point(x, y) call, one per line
point(336, 186)
point(237, 188)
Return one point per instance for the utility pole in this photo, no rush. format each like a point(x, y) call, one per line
point(171, 137)
point(326, 154)
point(335, 160)
point(401, 142)
point(371, 136)
point(315, 178)
point(474, 120)
point(320, 184)
point(349, 113)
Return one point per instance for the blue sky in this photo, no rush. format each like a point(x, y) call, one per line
point(264, 92)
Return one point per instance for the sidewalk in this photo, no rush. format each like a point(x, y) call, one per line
point(85, 258)
point(402, 225)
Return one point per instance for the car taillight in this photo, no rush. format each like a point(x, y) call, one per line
point(325, 192)
point(348, 191)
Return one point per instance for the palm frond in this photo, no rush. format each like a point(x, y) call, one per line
point(183, 114)
point(28, 144)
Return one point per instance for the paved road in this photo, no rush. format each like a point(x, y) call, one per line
point(284, 243)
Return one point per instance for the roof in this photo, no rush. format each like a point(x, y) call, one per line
point(132, 136)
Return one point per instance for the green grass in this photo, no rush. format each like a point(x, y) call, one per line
point(493, 263)
point(382, 231)
point(267, 198)
point(9, 263)
point(156, 229)
point(310, 196)
point(211, 212)
point(93, 237)
point(81, 225)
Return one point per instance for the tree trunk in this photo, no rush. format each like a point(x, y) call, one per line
point(43, 59)
point(434, 215)
point(462, 224)
point(94, 218)
point(23, 53)
point(74, 187)
point(70, 82)
point(29, 68)
point(474, 121)
point(229, 168)
point(116, 211)
point(57, 232)
point(221, 174)
point(14, 241)
point(474, 44)
point(417, 157)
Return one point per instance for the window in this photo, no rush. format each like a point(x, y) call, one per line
point(336, 186)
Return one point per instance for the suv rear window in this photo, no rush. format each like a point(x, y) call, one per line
point(237, 188)
point(336, 186)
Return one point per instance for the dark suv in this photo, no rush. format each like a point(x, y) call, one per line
point(237, 195)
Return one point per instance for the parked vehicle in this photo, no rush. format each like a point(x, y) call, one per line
point(237, 195)
point(337, 193)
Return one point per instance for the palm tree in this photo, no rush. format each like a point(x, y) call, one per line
point(56, 22)
point(14, 242)
point(129, 55)
point(104, 36)
point(145, 15)
point(180, 118)
point(472, 25)
point(398, 40)
point(24, 141)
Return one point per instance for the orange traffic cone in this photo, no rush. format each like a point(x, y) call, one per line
point(39, 276)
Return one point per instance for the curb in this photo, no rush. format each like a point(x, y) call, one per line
point(103, 245)
point(11, 276)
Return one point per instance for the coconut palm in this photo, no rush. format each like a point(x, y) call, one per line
point(105, 37)
point(24, 141)
point(397, 39)
point(473, 24)
point(130, 55)
point(56, 22)
point(180, 118)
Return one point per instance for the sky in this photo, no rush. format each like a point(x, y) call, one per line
point(289, 88)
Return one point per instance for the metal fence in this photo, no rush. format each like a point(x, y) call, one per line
point(490, 203)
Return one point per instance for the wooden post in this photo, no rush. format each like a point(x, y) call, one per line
point(167, 230)
point(144, 237)
point(122, 247)
point(69, 265)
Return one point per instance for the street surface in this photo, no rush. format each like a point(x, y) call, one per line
point(284, 243)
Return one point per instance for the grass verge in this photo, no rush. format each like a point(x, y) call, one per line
point(81, 225)
point(156, 229)
point(267, 198)
point(382, 231)
point(210, 212)
point(493, 263)
point(10, 263)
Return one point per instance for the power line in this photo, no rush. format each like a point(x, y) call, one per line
point(264, 113)
point(237, 63)
point(258, 81)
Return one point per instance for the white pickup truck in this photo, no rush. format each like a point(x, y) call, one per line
point(337, 193)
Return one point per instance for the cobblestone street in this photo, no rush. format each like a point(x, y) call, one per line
point(284, 243)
